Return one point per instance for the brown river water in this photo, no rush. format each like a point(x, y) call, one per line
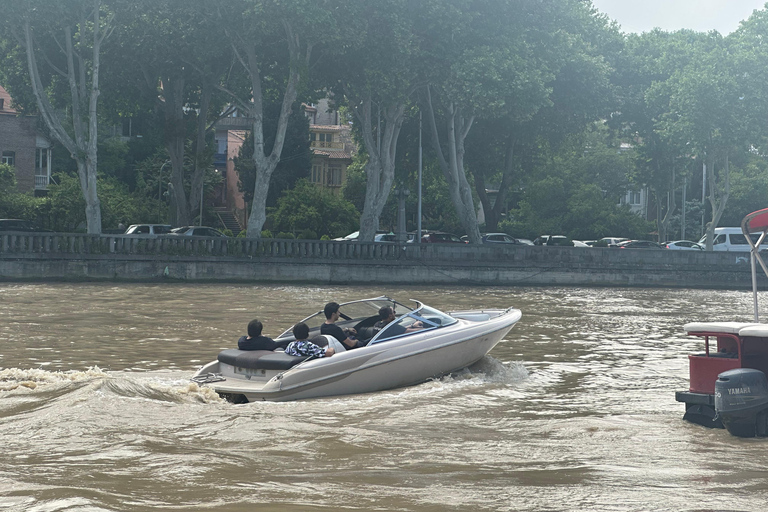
point(573, 410)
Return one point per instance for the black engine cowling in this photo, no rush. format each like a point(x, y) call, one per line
point(741, 402)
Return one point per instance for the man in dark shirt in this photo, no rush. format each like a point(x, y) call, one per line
point(255, 341)
point(387, 316)
point(345, 336)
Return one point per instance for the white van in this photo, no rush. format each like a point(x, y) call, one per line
point(732, 240)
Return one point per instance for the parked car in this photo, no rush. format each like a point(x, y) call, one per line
point(553, 240)
point(684, 245)
point(439, 237)
point(640, 244)
point(609, 241)
point(354, 236)
point(385, 237)
point(732, 240)
point(499, 238)
point(579, 243)
point(148, 230)
point(20, 225)
point(494, 238)
point(197, 231)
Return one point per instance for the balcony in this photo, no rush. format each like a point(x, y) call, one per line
point(220, 159)
point(41, 182)
point(318, 144)
point(235, 123)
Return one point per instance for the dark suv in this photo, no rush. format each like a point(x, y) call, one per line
point(438, 237)
point(553, 240)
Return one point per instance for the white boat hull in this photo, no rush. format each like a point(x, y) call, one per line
point(386, 365)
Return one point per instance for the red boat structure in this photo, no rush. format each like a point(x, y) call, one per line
point(728, 385)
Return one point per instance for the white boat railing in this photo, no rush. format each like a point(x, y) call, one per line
point(756, 222)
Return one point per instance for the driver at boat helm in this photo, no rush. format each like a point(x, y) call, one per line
point(387, 316)
point(345, 336)
point(255, 341)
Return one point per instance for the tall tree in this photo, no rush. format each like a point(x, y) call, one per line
point(497, 60)
point(375, 73)
point(62, 42)
point(174, 54)
point(706, 118)
point(273, 42)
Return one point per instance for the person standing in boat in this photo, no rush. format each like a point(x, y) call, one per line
point(345, 336)
point(303, 347)
point(255, 341)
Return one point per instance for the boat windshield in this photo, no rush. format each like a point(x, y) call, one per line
point(351, 314)
point(421, 319)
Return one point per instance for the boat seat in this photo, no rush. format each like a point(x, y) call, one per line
point(755, 330)
point(259, 359)
point(717, 327)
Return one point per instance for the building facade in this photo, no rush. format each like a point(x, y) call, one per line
point(331, 145)
point(24, 148)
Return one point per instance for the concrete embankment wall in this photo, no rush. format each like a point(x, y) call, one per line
point(84, 257)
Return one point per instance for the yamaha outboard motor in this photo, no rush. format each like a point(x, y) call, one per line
point(741, 402)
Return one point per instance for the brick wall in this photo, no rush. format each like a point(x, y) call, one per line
point(17, 134)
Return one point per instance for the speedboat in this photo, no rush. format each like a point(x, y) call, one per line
point(420, 344)
point(728, 386)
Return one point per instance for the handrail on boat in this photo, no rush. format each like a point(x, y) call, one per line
point(753, 223)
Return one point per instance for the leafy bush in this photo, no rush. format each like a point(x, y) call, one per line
point(307, 234)
point(311, 208)
point(286, 235)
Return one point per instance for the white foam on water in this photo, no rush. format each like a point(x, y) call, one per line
point(18, 379)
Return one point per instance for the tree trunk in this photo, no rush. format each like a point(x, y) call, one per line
point(457, 128)
point(493, 212)
point(83, 147)
point(662, 223)
point(380, 169)
point(717, 198)
point(175, 138)
point(265, 164)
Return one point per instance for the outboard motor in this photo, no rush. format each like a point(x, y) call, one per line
point(741, 402)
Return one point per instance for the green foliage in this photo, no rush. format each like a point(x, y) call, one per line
point(308, 207)
point(285, 235)
point(13, 204)
point(307, 234)
point(227, 232)
point(64, 206)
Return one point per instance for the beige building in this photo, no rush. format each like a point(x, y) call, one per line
point(331, 145)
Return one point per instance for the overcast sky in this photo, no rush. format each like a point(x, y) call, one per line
point(700, 15)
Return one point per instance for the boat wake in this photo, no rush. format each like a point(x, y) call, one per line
point(159, 386)
point(20, 380)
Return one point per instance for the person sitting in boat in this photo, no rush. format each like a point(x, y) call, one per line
point(303, 347)
point(255, 341)
point(387, 315)
point(345, 336)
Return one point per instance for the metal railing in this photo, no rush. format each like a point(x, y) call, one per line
point(180, 246)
